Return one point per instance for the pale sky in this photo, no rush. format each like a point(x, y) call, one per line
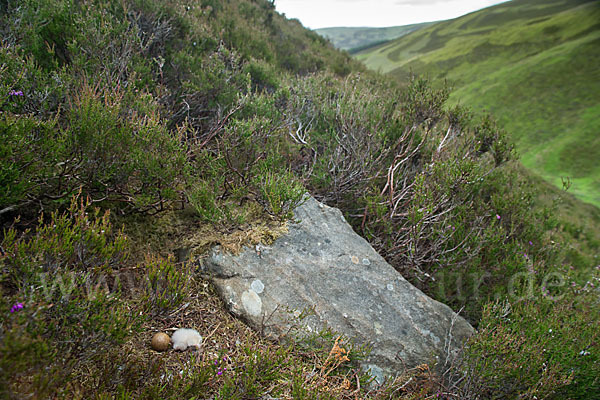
point(316, 14)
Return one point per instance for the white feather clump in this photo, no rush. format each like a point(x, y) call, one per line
point(184, 338)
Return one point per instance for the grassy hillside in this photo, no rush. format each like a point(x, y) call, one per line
point(137, 135)
point(353, 39)
point(533, 64)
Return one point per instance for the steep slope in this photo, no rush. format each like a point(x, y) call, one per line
point(355, 39)
point(534, 64)
point(202, 122)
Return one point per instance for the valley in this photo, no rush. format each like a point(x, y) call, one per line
point(535, 65)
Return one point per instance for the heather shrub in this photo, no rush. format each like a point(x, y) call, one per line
point(65, 300)
point(25, 88)
point(263, 76)
point(493, 233)
point(209, 86)
point(28, 160)
point(432, 199)
point(278, 193)
point(166, 286)
point(423, 105)
point(70, 241)
point(529, 350)
point(250, 164)
point(203, 196)
point(344, 131)
point(46, 29)
point(110, 137)
point(129, 157)
point(109, 44)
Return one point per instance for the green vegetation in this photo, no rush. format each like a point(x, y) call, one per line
point(132, 131)
point(356, 39)
point(532, 64)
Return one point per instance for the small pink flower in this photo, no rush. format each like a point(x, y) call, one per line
point(498, 216)
point(16, 307)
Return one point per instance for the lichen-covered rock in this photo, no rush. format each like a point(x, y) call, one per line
point(323, 265)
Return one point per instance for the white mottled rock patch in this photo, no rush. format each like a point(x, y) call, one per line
point(257, 286)
point(252, 303)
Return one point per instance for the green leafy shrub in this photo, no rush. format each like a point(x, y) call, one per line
point(108, 135)
point(250, 164)
point(490, 138)
point(422, 104)
point(211, 86)
point(72, 241)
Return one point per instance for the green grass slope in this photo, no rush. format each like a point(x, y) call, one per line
point(535, 65)
point(353, 38)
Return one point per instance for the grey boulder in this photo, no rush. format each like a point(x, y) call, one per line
point(322, 265)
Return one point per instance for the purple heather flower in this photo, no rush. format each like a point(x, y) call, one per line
point(530, 243)
point(15, 93)
point(16, 307)
point(219, 372)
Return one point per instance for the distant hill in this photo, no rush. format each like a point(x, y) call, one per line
point(353, 39)
point(535, 64)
